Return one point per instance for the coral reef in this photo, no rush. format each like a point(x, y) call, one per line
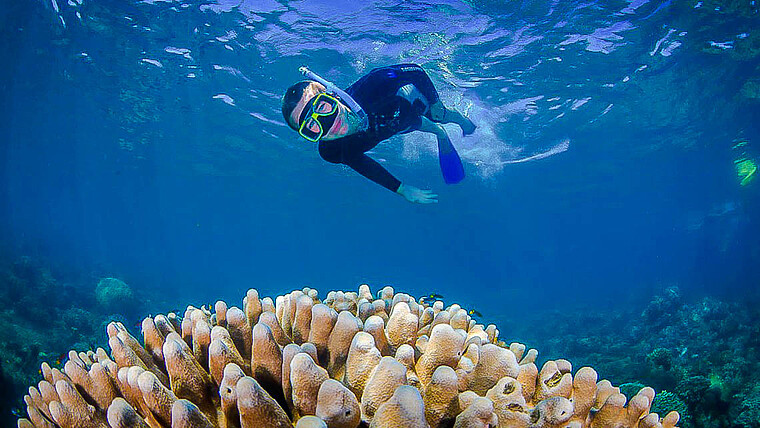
point(349, 360)
point(702, 356)
point(45, 314)
point(112, 293)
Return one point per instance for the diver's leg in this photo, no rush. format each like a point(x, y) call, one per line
point(439, 113)
point(444, 143)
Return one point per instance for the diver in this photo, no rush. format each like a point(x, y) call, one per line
point(385, 102)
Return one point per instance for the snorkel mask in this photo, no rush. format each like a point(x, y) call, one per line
point(321, 111)
point(318, 117)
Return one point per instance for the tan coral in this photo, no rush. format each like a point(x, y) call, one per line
point(584, 393)
point(478, 414)
point(311, 422)
point(405, 408)
point(188, 379)
point(252, 306)
point(443, 348)
point(323, 319)
point(441, 397)
point(270, 320)
point(365, 292)
point(266, 363)
point(228, 394)
point(612, 413)
point(73, 411)
point(494, 363)
point(363, 357)
point(220, 310)
point(158, 398)
point(552, 412)
point(257, 408)
point(388, 375)
point(337, 405)
point(339, 342)
point(530, 357)
point(670, 420)
point(405, 355)
point(509, 403)
point(305, 378)
point(375, 326)
point(185, 414)
point(223, 352)
point(257, 366)
point(122, 415)
point(552, 382)
point(402, 326)
point(288, 353)
point(240, 331)
point(302, 321)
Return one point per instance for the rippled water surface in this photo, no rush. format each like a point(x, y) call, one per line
point(145, 138)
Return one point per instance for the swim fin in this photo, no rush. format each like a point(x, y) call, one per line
point(451, 165)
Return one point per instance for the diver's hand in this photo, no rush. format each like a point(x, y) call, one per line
point(419, 196)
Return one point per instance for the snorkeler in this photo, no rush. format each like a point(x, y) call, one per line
point(385, 102)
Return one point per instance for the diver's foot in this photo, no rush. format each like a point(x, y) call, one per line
point(453, 116)
point(467, 126)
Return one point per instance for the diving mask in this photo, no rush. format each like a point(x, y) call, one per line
point(318, 116)
point(363, 120)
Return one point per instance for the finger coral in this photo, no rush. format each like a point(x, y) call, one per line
point(347, 361)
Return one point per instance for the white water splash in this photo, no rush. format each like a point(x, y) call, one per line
point(262, 118)
point(484, 150)
point(154, 62)
point(723, 45)
point(224, 97)
point(559, 148)
point(179, 51)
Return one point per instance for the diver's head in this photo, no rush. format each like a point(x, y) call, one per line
point(315, 114)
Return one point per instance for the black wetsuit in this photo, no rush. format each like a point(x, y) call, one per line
point(389, 114)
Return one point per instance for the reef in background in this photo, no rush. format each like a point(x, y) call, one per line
point(704, 354)
point(350, 360)
point(43, 317)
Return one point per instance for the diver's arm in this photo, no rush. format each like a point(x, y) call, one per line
point(369, 168)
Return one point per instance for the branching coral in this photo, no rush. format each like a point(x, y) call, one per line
point(346, 361)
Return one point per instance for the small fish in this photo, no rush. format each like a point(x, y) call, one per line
point(473, 312)
point(61, 358)
point(17, 412)
point(432, 296)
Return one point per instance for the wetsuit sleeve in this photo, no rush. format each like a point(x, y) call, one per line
point(352, 154)
point(369, 168)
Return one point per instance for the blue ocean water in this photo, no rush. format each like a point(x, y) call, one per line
point(144, 140)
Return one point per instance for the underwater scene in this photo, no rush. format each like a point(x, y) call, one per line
point(381, 213)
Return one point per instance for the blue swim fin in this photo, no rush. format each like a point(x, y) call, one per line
point(451, 166)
